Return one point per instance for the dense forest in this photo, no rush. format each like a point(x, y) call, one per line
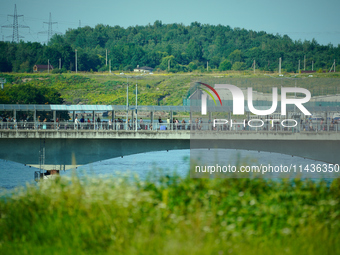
point(171, 47)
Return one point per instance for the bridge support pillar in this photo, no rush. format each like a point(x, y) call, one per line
point(327, 115)
point(171, 120)
point(190, 120)
point(35, 119)
point(15, 114)
point(151, 119)
point(133, 119)
point(113, 117)
point(94, 120)
point(54, 118)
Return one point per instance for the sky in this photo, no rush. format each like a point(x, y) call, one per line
point(299, 19)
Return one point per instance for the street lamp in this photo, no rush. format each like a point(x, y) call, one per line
point(127, 101)
point(127, 98)
point(76, 61)
point(136, 104)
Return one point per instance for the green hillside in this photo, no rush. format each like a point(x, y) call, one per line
point(156, 89)
point(170, 47)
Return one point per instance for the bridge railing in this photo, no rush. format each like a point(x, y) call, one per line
point(175, 127)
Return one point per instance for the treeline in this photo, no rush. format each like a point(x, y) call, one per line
point(172, 47)
point(30, 94)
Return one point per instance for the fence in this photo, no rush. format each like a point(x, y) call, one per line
point(238, 126)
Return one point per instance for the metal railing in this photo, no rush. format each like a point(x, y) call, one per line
point(176, 127)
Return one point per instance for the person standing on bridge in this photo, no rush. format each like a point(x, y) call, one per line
point(183, 124)
point(141, 124)
point(76, 123)
point(82, 120)
point(98, 123)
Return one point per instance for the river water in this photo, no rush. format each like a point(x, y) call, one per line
point(14, 174)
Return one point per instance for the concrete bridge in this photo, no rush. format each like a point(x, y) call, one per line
point(60, 149)
point(60, 145)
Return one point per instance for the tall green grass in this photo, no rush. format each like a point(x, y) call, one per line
point(171, 215)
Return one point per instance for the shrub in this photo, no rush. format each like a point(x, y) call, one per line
point(238, 66)
point(225, 65)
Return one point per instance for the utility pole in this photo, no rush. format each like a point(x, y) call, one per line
point(330, 70)
point(168, 65)
point(127, 103)
point(59, 63)
point(280, 66)
point(136, 104)
point(49, 32)
point(76, 62)
point(110, 65)
point(254, 65)
point(304, 63)
point(15, 26)
point(207, 66)
point(106, 57)
point(48, 66)
point(312, 65)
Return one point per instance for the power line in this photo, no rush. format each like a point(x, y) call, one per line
point(15, 26)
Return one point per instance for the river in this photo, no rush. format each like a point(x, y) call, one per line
point(14, 174)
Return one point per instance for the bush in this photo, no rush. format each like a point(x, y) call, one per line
point(238, 66)
point(59, 71)
point(225, 65)
point(192, 66)
point(128, 68)
point(169, 215)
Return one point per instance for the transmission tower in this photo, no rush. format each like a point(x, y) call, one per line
point(15, 26)
point(49, 32)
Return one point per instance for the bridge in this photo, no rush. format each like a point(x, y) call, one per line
point(63, 144)
point(62, 149)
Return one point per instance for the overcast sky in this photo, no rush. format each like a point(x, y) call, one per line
point(299, 19)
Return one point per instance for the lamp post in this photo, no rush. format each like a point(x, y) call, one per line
point(127, 102)
point(127, 99)
point(136, 103)
point(76, 61)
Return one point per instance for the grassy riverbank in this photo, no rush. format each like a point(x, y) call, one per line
point(174, 215)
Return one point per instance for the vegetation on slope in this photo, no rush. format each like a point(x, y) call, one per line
point(156, 89)
point(172, 215)
point(160, 46)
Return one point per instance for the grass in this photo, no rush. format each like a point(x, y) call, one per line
point(164, 88)
point(172, 215)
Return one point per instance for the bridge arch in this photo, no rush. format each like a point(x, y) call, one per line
point(75, 147)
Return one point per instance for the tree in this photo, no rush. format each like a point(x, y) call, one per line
point(29, 94)
point(148, 45)
point(192, 66)
point(224, 65)
point(238, 66)
point(236, 56)
point(166, 61)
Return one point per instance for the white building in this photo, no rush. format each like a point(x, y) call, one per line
point(143, 69)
